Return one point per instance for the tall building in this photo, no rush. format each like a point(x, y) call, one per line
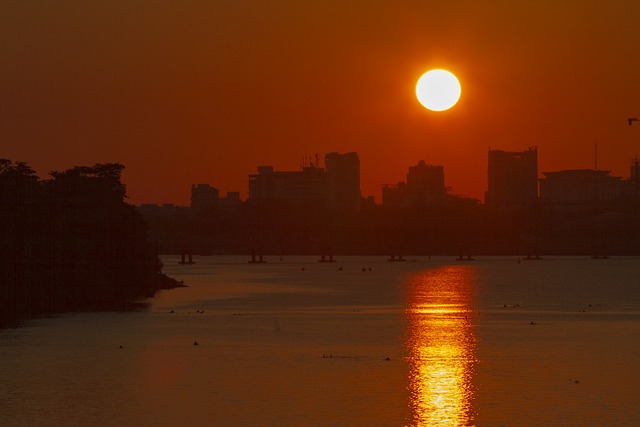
point(203, 198)
point(343, 180)
point(634, 176)
point(425, 184)
point(337, 186)
point(424, 187)
point(231, 202)
point(394, 195)
point(583, 186)
point(512, 178)
point(305, 185)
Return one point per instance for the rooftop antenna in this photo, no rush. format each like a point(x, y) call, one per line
point(595, 160)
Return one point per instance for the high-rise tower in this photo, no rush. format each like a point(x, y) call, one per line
point(512, 178)
point(343, 180)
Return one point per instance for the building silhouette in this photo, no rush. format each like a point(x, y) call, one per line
point(425, 183)
point(231, 201)
point(309, 211)
point(424, 187)
point(297, 186)
point(395, 195)
point(337, 186)
point(342, 172)
point(583, 186)
point(204, 198)
point(634, 175)
point(512, 178)
point(306, 185)
point(165, 210)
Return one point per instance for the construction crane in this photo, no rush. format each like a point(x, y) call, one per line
point(630, 120)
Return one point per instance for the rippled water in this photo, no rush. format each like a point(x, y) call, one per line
point(360, 342)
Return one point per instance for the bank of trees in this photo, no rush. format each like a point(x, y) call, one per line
point(71, 242)
point(458, 228)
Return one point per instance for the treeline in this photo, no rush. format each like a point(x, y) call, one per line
point(459, 228)
point(71, 242)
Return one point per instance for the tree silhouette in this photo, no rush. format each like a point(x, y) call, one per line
point(71, 242)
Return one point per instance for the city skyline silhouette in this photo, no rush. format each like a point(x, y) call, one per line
point(535, 175)
point(206, 91)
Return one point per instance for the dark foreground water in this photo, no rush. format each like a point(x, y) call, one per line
point(492, 342)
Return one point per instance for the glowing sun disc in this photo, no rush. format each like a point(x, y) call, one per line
point(438, 90)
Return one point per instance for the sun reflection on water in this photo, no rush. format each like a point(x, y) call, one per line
point(441, 346)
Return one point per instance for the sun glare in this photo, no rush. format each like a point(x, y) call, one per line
point(441, 347)
point(438, 90)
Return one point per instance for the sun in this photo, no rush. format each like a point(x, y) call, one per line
point(438, 90)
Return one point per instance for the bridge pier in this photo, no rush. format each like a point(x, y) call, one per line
point(323, 258)
point(186, 257)
point(257, 259)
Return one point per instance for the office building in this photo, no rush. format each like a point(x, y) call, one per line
point(203, 198)
point(512, 178)
point(342, 173)
point(306, 185)
point(424, 187)
point(583, 186)
point(337, 186)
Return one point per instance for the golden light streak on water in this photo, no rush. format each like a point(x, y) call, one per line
point(441, 346)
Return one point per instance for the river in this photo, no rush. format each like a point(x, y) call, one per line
point(359, 342)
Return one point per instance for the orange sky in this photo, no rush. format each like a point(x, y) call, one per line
point(205, 91)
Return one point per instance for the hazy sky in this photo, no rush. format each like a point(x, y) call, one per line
point(187, 91)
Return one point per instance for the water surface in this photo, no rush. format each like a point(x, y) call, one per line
point(359, 342)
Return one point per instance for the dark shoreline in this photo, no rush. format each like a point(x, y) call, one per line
point(72, 243)
point(15, 312)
